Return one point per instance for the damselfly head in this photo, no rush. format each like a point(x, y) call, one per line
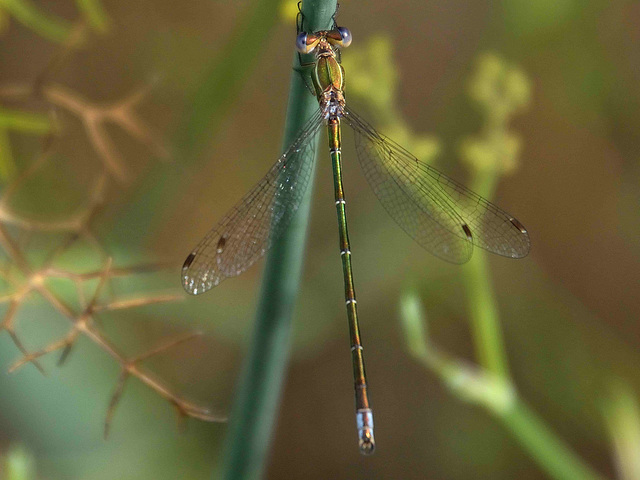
point(307, 42)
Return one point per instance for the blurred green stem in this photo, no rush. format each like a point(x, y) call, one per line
point(483, 312)
point(622, 414)
point(548, 450)
point(19, 464)
point(19, 121)
point(51, 28)
point(24, 121)
point(495, 393)
point(551, 453)
point(500, 90)
point(258, 394)
point(7, 164)
point(95, 14)
point(205, 115)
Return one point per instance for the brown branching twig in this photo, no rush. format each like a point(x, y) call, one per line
point(132, 368)
point(25, 278)
point(83, 322)
point(95, 117)
point(8, 326)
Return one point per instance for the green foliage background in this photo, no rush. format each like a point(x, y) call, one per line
point(498, 369)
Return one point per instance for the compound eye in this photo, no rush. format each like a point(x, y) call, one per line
point(304, 44)
point(346, 36)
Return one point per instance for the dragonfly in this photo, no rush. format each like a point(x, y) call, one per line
point(440, 214)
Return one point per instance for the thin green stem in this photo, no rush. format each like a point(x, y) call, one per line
point(258, 394)
point(95, 14)
point(497, 395)
point(51, 28)
point(205, 115)
point(7, 163)
point(551, 453)
point(489, 383)
point(19, 121)
point(483, 311)
point(26, 122)
point(547, 449)
point(622, 415)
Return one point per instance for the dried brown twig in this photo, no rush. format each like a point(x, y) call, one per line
point(83, 322)
point(24, 277)
point(95, 117)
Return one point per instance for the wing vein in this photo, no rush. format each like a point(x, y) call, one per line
point(251, 226)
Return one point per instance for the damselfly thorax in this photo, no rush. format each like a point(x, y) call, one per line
point(327, 74)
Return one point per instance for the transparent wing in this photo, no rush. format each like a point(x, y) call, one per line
point(442, 215)
point(247, 231)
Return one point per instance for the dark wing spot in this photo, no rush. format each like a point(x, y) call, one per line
point(221, 243)
point(467, 232)
point(518, 225)
point(189, 260)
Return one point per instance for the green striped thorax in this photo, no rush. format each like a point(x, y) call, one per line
point(328, 74)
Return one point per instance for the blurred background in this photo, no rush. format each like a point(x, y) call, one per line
point(127, 130)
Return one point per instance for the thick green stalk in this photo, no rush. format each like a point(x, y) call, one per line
point(258, 394)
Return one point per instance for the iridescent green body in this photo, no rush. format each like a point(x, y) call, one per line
point(359, 375)
point(328, 81)
point(328, 74)
point(442, 215)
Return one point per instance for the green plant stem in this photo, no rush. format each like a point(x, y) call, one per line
point(551, 453)
point(51, 28)
point(205, 115)
point(478, 386)
point(25, 122)
point(95, 14)
point(483, 311)
point(622, 415)
point(489, 384)
point(19, 121)
point(7, 163)
point(258, 394)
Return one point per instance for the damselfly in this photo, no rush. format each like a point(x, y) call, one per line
point(440, 214)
